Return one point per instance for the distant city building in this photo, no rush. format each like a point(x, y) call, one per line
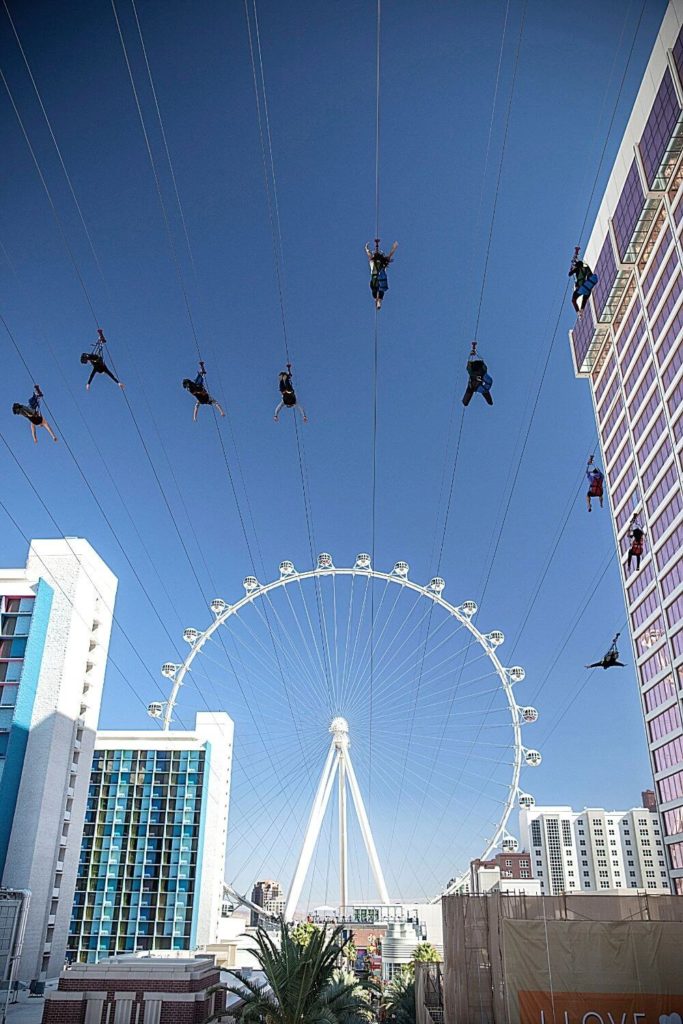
point(269, 895)
point(629, 344)
point(398, 947)
point(594, 850)
point(506, 872)
point(151, 869)
point(125, 989)
point(55, 623)
point(649, 799)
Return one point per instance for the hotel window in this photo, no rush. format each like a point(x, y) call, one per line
point(671, 788)
point(606, 269)
point(663, 724)
point(656, 137)
point(628, 211)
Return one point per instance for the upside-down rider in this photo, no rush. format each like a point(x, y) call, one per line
point(479, 380)
point(379, 261)
point(198, 390)
point(96, 359)
point(595, 483)
point(33, 414)
point(288, 395)
point(584, 282)
point(611, 659)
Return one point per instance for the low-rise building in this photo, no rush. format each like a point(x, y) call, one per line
point(127, 989)
point(506, 872)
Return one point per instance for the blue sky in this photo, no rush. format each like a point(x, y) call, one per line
point(439, 70)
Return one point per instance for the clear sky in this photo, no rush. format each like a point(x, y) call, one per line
point(439, 63)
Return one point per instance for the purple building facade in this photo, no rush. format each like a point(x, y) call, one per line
point(629, 344)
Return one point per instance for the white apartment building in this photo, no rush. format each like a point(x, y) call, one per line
point(595, 850)
point(55, 623)
point(628, 345)
point(152, 864)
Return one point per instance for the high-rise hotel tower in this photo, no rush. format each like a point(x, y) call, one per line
point(629, 344)
point(55, 622)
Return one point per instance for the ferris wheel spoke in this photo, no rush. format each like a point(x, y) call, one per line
point(420, 653)
point(279, 645)
point(364, 666)
point(387, 677)
point(291, 651)
point(258, 811)
point(445, 697)
point(389, 687)
point(317, 670)
point(349, 618)
point(387, 778)
point(358, 627)
point(320, 655)
point(252, 767)
point(275, 672)
point(324, 639)
point(374, 613)
point(336, 635)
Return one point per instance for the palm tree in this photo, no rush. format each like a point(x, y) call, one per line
point(303, 983)
point(426, 953)
point(401, 999)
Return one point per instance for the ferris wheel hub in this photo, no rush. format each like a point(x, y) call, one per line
point(339, 728)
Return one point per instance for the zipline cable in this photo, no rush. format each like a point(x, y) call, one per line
point(92, 249)
point(479, 309)
point(91, 306)
point(378, 66)
point(179, 273)
point(272, 199)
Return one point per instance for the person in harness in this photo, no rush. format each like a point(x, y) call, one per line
point(33, 414)
point(198, 390)
point(96, 359)
point(479, 380)
point(379, 261)
point(595, 483)
point(287, 395)
point(611, 659)
point(636, 535)
point(584, 280)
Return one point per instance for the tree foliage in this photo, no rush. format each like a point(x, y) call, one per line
point(401, 999)
point(426, 953)
point(304, 984)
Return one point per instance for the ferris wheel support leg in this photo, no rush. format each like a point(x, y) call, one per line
point(366, 832)
point(315, 821)
point(343, 841)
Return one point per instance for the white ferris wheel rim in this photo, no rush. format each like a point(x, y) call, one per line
point(399, 576)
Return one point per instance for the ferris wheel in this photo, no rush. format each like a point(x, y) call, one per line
point(363, 688)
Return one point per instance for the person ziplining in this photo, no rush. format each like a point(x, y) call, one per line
point(595, 483)
point(198, 390)
point(636, 535)
point(479, 381)
point(379, 261)
point(611, 659)
point(96, 359)
point(584, 281)
point(288, 395)
point(33, 414)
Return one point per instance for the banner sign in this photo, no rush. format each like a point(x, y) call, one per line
point(593, 972)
